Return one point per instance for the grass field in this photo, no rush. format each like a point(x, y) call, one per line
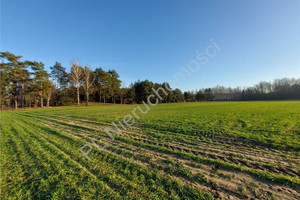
point(227, 150)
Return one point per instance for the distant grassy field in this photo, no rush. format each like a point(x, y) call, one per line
point(206, 150)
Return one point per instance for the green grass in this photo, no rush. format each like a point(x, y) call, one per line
point(40, 157)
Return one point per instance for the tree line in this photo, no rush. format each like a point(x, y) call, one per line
point(28, 84)
point(279, 89)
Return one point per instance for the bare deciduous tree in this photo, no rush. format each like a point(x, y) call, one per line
point(76, 76)
point(88, 79)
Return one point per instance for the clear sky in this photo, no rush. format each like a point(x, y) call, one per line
point(259, 40)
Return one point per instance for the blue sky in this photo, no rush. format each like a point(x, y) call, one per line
point(259, 40)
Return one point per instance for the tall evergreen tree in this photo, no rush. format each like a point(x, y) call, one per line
point(14, 70)
point(142, 90)
point(40, 80)
point(60, 75)
point(102, 83)
point(4, 83)
point(189, 96)
point(209, 96)
point(178, 95)
point(115, 84)
point(200, 96)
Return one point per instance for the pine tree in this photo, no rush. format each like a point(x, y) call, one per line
point(14, 73)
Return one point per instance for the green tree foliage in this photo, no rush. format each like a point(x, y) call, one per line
point(209, 96)
point(4, 81)
point(142, 90)
point(178, 95)
point(170, 95)
point(65, 97)
point(131, 96)
point(123, 95)
point(200, 96)
point(14, 73)
point(59, 74)
point(189, 96)
point(40, 82)
point(102, 84)
point(115, 84)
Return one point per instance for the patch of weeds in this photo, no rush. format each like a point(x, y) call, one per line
point(213, 184)
point(168, 161)
point(250, 158)
point(215, 169)
point(225, 176)
point(199, 177)
point(182, 171)
point(243, 123)
point(240, 156)
point(144, 157)
point(126, 147)
point(254, 184)
point(241, 190)
point(156, 166)
point(270, 194)
point(253, 191)
point(265, 195)
point(128, 154)
point(196, 165)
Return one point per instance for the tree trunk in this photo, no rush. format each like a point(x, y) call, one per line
point(42, 100)
point(25, 101)
point(87, 97)
point(104, 99)
point(100, 97)
point(77, 94)
point(48, 99)
point(35, 103)
point(22, 101)
point(15, 90)
point(121, 100)
point(16, 103)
